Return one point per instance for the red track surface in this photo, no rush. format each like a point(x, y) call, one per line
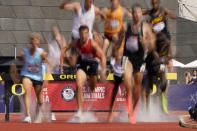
point(62, 125)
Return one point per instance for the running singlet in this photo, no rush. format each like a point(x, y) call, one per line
point(86, 53)
point(133, 47)
point(114, 21)
point(83, 17)
point(33, 65)
point(159, 22)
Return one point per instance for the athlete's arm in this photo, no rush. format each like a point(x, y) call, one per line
point(100, 53)
point(105, 10)
point(59, 40)
point(99, 12)
point(148, 39)
point(126, 13)
point(75, 6)
point(21, 56)
point(44, 57)
point(145, 12)
point(169, 13)
point(66, 48)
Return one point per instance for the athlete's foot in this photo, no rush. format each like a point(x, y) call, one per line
point(110, 117)
point(135, 111)
point(53, 117)
point(78, 116)
point(132, 119)
point(27, 119)
point(164, 103)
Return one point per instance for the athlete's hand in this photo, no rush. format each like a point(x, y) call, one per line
point(162, 67)
point(143, 67)
point(63, 4)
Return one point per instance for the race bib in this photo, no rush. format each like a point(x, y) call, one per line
point(33, 69)
point(132, 44)
point(159, 26)
point(114, 24)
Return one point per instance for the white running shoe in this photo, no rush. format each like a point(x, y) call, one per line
point(27, 119)
point(53, 117)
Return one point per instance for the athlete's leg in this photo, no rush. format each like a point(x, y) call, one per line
point(27, 84)
point(106, 45)
point(38, 92)
point(92, 82)
point(164, 90)
point(117, 81)
point(116, 46)
point(149, 86)
point(80, 81)
point(138, 76)
point(128, 82)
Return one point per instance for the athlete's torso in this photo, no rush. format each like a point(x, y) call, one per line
point(86, 52)
point(114, 21)
point(158, 21)
point(133, 46)
point(33, 64)
point(83, 17)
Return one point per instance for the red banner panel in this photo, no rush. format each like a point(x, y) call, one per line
point(62, 96)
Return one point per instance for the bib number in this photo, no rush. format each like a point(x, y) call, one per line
point(114, 24)
point(159, 26)
point(132, 44)
point(33, 69)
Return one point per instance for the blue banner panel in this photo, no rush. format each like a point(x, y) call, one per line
point(2, 105)
point(180, 97)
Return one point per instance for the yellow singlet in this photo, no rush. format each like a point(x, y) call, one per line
point(114, 21)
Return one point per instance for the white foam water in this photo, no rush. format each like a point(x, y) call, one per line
point(85, 117)
point(44, 114)
point(155, 113)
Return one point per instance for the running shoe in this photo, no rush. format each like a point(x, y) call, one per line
point(164, 103)
point(27, 119)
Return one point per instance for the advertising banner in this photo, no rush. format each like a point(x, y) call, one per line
point(62, 96)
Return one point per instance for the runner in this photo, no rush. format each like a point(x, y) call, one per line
point(118, 71)
point(156, 68)
point(158, 18)
point(114, 25)
point(87, 64)
point(55, 45)
point(84, 14)
point(139, 41)
point(31, 72)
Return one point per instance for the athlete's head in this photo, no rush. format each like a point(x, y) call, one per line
point(155, 4)
point(137, 13)
point(35, 39)
point(84, 33)
point(115, 3)
point(88, 3)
